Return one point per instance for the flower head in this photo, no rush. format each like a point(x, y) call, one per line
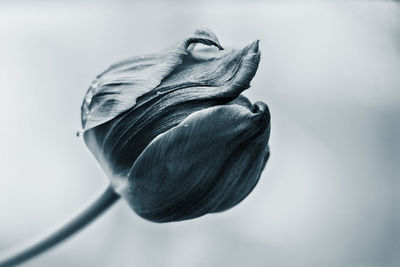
point(173, 132)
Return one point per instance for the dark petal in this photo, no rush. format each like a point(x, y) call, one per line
point(208, 163)
point(117, 89)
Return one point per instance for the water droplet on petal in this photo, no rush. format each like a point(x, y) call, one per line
point(79, 134)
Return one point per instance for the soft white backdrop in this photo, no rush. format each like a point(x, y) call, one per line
point(330, 73)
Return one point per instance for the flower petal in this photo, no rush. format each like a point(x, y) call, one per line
point(117, 89)
point(208, 163)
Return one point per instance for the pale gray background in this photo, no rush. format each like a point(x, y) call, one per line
point(330, 72)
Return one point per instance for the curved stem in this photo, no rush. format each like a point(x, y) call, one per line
point(35, 247)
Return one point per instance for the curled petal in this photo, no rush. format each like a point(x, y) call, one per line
point(117, 89)
point(208, 163)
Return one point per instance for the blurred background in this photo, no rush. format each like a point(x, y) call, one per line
point(330, 73)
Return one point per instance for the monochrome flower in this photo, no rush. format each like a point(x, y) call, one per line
point(173, 132)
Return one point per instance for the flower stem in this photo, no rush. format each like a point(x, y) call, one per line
point(25, 252)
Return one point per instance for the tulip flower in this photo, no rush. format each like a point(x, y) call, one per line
point(173, 133)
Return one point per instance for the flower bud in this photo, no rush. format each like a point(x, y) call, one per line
point(173, 132)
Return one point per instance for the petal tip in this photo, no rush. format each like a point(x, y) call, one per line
point(254, 46)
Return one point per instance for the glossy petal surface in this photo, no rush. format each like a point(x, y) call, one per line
point(208, 163)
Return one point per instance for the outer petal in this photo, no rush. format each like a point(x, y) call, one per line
point(117, 89)
point(208, 163)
